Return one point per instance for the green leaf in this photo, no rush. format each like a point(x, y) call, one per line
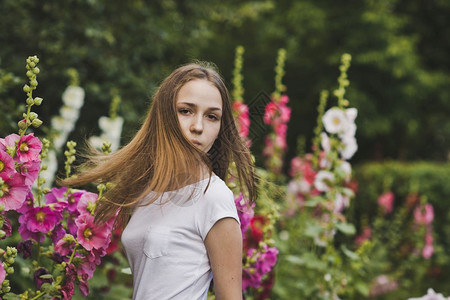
point(350, 254)
point(346, 228)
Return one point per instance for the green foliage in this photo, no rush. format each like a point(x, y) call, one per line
point(399, 76)
point(394, 234)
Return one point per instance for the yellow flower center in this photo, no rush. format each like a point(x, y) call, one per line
point(336, 121)
point(5, 188)
point(87, 233)
point(71, 199)
point(40, 216)
point(24, 147)
point(2, 165)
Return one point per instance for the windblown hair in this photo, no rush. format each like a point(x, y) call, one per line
point(159, 158)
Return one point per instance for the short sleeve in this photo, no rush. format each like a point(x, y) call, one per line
point(217, 203)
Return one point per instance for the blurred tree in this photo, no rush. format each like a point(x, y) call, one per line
point(399, 74)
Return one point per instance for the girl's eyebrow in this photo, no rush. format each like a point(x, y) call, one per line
point(195, 105)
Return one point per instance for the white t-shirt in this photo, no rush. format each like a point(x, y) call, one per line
point(165, 246)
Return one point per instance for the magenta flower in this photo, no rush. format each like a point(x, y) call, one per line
point(58, 233)
point(427, 251)
point(424, 214)
point(251, 278)
point(2, 273)
point(90, 235)
point(9, 143)
point(28, 148)
point(386, 201)
point(68, 288)
point(29, 171)
point(27, 234)
point(86, 203)
point(245, 212)
point(25, 247)
point(64, 246)
point(57, 195)
point(13, 191)
point(267, 259)
point(27, 204)
point(269, 114)
point(41, 219)
point(7, 166)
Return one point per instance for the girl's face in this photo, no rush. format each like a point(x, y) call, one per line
point(199, 111)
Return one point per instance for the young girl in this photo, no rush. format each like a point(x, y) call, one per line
point(184, 229)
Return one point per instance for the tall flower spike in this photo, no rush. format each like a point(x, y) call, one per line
point(30, 119)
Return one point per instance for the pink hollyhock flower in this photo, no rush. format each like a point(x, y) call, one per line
point(281, 130)
point(86, 203)
point(9, 143)
point(386, 201)
point(27, 234)
point(280, 142)
point(365, 235)
point(285, 113)
point(2, 273)
point(58, 233)
point(28, 148)
point(68, 288)
point(250, 278)
point(270, 112)
point(83, 284)
point(41, 219)
point(57, 195)
point(27, 204)
point(7, 166)
point(14, 191)
point(267, 260)
point(90, 235)
point(30, 171)
point(284, 99)
point(424, 214)
point(245, 212)
point(427, 251)
point(64, 246)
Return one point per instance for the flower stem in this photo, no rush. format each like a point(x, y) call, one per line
point(39, 295)
point(73, 254)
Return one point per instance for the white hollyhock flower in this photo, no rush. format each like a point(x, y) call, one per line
point(61, 124)
point(335, 121)
point(325, 142)
point(96, 142)
point(351, 114)
point(349, 147)
point(69, 113)
point(52, 166)
point(431, 295)
point(340, 202)
point(323, 181)
point(346, 168)
point(73, 96)
point(111, 127)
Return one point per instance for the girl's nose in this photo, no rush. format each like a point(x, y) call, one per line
point(197, 125)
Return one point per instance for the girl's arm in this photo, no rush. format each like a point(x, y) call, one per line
point(224, 246)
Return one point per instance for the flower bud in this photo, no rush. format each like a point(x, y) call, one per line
point(2, 234)
point(30, 101)
point(38, 100)
point(26, 88)
point(10, 270)
point(10, 261)
point(33, 116)
point(32, 64)
point(22, 125)
point(34, 83)
point(5, 282)
point(8, 251)
point(36, 70)
point(36, 123)
point(29, 73)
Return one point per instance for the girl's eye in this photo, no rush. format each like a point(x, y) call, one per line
point(213, 117)
point(183, 111)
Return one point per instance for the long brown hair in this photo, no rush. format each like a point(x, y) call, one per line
point(158, 158)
